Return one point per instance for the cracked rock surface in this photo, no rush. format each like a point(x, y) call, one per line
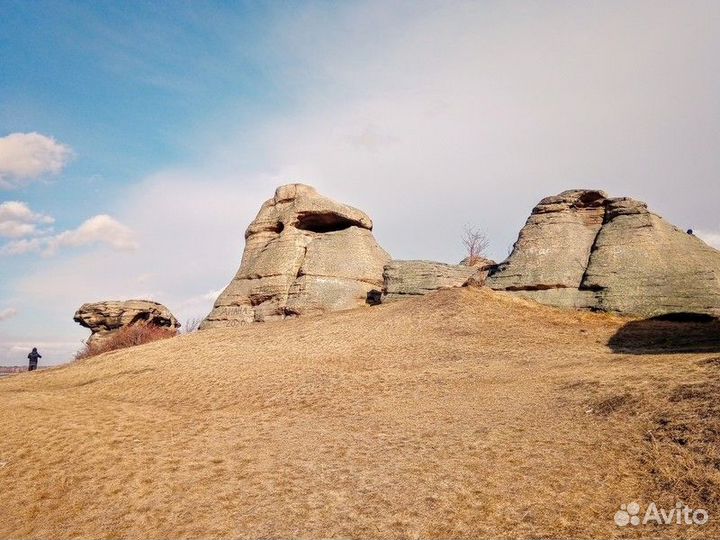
point(106, 318)
point(405, 279)
point(304, 254)
point(582, 249)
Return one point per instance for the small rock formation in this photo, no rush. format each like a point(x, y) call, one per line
point(403, 279)
point(304, 254)
point(582, 249)
point(106, 318)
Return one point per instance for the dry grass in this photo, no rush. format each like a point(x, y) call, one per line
point(463, 414)
point(130, 336)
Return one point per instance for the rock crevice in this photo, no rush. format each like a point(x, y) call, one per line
point(583, 249)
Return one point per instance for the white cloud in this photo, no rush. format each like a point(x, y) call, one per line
point(19, 211)
point(14, 229)
point(25, 157)
point(711, 238)
point(17, 220)
point(98, 230)
point(23, 246)
point(101, 229)
point(7, 313)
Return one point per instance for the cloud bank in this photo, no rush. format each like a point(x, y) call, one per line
point(20, 223)
point(17, 220)
point(7, 313)
point(101, 229)
point(25, 157)
point(98, 230)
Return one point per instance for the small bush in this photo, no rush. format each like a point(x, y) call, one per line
point(476, 243)
point(126, 337)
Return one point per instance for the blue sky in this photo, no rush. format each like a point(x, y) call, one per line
point(121, 84)
point(161, 128)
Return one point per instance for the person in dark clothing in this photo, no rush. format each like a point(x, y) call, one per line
point(33, 357)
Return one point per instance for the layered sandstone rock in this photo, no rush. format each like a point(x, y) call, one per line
point(403, 279)
point(304, 254)
point(551, 254)
point(643, 265)
point(581, 249)
point(105, 318)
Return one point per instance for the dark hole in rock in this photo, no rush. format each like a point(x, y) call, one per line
point(590, 198)
point(150, 319)
point(322, 222)
point(278, 228)
point(140, 317)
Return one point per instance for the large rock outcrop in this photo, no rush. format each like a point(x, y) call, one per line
point(582, 249)
point(643, 265)
point(105, 318)
point(304, 254)
point(405, 279)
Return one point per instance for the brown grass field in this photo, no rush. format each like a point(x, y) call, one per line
point(463, 414)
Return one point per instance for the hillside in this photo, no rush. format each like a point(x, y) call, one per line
point(465, 413)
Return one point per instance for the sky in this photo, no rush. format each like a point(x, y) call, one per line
point(138, 140)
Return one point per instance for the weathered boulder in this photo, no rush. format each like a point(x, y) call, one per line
point(581, 249)
point(643, 265)
point(106, 318)
point(304, 254)
point(403, 279)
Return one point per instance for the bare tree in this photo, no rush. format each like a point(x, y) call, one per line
point(476, 243)
point(191, 325)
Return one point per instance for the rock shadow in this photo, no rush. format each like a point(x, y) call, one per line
point(668, 334)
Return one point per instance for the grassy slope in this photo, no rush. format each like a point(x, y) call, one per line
point(466, 413)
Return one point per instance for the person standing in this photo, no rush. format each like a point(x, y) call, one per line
point(33, 357)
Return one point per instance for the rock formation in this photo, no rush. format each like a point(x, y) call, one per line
point(582, 249)
point(106, 318)
point(403, 279)
point(551, 254)
point(304, 254)
point(643, 265)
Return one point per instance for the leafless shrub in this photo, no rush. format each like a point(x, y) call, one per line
point(476, 243)
point(191, 325)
